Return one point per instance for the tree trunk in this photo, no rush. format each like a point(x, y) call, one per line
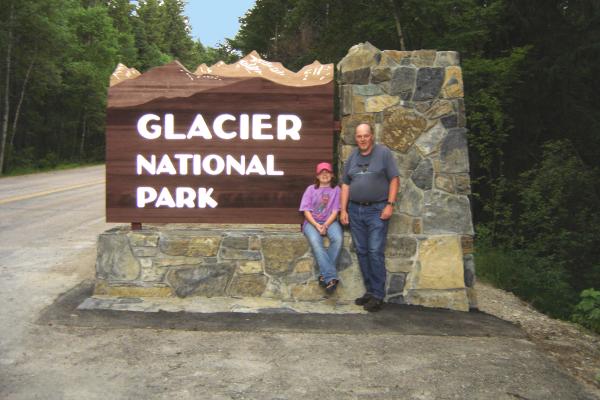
point(396, 10)
point(82, 144)
point(275, 55)
point(7, 88)
point(57, 139)
point(13, 132)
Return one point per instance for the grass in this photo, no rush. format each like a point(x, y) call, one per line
point(34, 170)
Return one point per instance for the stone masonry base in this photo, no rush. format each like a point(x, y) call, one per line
point(273, 261)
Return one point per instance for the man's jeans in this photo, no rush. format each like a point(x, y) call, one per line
point(326, 258)
point(369, 234)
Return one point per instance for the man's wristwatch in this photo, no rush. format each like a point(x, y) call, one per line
point(389, 203)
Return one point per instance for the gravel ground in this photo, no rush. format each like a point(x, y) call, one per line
point(573, 347)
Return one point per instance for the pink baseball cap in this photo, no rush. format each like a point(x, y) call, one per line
point(324, 166)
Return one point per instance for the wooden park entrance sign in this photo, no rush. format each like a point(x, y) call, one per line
point(225, 144)
point(238, 144)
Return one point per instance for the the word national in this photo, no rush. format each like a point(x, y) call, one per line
point(210, 164)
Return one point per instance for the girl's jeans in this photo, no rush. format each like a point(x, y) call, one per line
point(326, 258)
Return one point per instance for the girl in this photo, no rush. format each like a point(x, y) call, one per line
point(321, 204)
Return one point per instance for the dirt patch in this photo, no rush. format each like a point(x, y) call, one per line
point(573, 347)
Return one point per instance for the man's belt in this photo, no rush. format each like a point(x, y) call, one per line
point(367, 203)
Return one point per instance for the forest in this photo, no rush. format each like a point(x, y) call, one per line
point(532, 78)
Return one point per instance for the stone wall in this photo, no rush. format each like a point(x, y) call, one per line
point(414, 102)
point(201, 261)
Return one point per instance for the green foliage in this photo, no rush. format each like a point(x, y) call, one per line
point(539, 280)
point(587, 311)
point(177, 42)
point(162, 33)
point(489, 83)
point(33, 170)
point(552, 250)
point(62, 55)
point(212, 55)
point(121, 13)
point(150, 35)
point(25, 161)
point(559, 215)
point(296, 32)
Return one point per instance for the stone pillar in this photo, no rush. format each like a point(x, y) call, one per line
point(414, 102)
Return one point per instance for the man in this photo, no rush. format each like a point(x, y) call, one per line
point(369, 188)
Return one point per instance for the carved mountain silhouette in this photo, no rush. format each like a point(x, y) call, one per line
point(251, 66)
point(173, 80)
point(123, 73)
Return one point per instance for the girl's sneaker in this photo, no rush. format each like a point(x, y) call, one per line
point(331, 286)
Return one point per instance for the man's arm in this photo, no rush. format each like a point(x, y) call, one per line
point(386, 213)
point(344, 196)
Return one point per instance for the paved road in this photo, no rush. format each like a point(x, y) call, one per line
point(46, 220)
point(48, 227)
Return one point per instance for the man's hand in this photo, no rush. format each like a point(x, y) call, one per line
point(386, 213)
point(344, 197)
point(344, 217)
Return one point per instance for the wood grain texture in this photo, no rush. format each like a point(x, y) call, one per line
point(241, 199)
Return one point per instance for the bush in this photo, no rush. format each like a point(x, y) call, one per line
point(545, 249)
point(24, 158)
point(50, 161)
point(539, 280)
point(587, 312)
point(559, 215)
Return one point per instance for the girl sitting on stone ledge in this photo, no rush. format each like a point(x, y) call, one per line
point(321, 204)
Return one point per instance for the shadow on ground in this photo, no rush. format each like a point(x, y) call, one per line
point(394, 318)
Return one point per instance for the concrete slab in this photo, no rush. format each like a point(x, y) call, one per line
point(251, 305)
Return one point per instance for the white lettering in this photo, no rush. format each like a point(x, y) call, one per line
point(283, 130)
point(205, 199)
point(183, 162)
point(211, 164)
point(218, 126)
point(244, 127)
point(166, 166)
point(144, 196)
point(271, 166)
point(255, 126)
point(185, 197)
point(170, 128)
point(142, 127)
point(239, 166)
point(199, 128)
point(207, 164)
point(142, 163)
point(258, 126)
point(165, 199)
point(255, 167)
point(197, 170)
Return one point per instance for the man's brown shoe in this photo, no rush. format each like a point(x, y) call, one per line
point(364, 299)
point(373, 305)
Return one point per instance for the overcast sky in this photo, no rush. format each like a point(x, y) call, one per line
point(214, 20)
